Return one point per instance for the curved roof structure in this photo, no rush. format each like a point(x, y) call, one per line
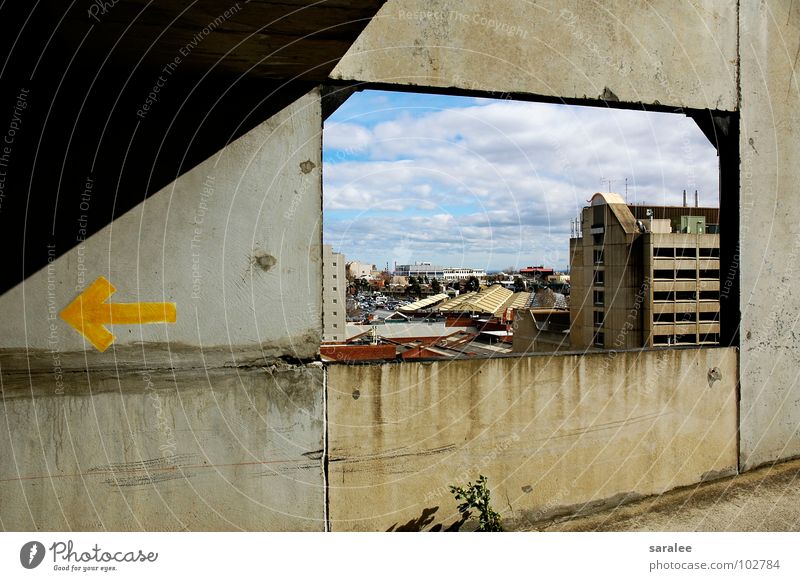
point(601, 198)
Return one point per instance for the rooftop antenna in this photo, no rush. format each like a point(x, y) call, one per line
point(609, 181)
point(684, 198)
point(696, 200)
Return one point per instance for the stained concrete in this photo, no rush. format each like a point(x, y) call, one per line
point(765, 499)
point(156, 450)
point(670, 53)
point(769, 223)
point(552, 434)
point(223, 242)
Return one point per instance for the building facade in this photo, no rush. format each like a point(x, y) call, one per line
point(357, 269)
point(639, 282)
point(420, 269)
point(334, 285)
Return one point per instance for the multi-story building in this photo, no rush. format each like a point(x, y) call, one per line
point(644, 281)
point(432, 271)
point(334, 285)
point(357, 269)
point(419, 269)
point(463, 273)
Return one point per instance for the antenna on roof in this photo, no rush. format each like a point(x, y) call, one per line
point(684, 198)
point(696, 200)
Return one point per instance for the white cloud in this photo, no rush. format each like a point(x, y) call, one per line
point(512, 173)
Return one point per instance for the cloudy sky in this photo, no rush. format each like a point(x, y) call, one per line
point(485, 183)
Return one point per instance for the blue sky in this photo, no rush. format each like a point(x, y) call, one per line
point(461, 181)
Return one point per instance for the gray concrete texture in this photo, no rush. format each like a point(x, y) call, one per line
point(729, 56)
point(554, 434)
point(765, 499)
point(77, 455)
point(224, 242)
point(164, 450)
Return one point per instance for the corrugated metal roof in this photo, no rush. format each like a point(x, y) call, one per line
point(451, 304)
point(515, 301)
point(423, 303)
point(489, 300)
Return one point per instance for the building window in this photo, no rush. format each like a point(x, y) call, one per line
point(335, 300)
point(598, 318)
point(598, 256)
point(599, 297)
point(334, 276)
point(599, 278)
point(336, 325)
point(334, 313)
point(334, 289)
point(600, 340)
point(598, 239)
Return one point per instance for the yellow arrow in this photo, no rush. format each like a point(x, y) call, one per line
point(89, 312)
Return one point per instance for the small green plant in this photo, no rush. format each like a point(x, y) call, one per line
point(476, 497)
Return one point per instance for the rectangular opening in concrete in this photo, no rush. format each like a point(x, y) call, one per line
point(471, 226)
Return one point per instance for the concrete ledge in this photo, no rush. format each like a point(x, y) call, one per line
point(551, 433)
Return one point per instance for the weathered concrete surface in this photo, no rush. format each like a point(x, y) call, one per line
point(553, 434)
point(770, 231)
point(234, 242)
point(673, 53)
point(194, 450)
point(766, 499)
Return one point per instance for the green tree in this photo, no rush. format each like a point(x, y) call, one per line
point(436, 287)
point(473, 284)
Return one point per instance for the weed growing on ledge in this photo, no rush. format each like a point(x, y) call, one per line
point(476, 496)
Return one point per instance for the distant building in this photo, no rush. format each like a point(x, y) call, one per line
point(639, 282)
point(357, 269)
point(420, 269)
point(334, 284)
point(539, 272)
point(452, 274)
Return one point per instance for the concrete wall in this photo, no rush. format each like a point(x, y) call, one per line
point(674, 53)
point(770, 231)
point(708, 54)
point(553, 434)
point(197, 425)
point(225, 242)
point(157, 450)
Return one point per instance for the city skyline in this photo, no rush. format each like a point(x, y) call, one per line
point(485, 183)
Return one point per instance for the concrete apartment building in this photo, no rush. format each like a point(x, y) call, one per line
point(334, 285)
point(644, 281)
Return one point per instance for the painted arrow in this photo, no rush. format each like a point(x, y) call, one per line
point(89, 313)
